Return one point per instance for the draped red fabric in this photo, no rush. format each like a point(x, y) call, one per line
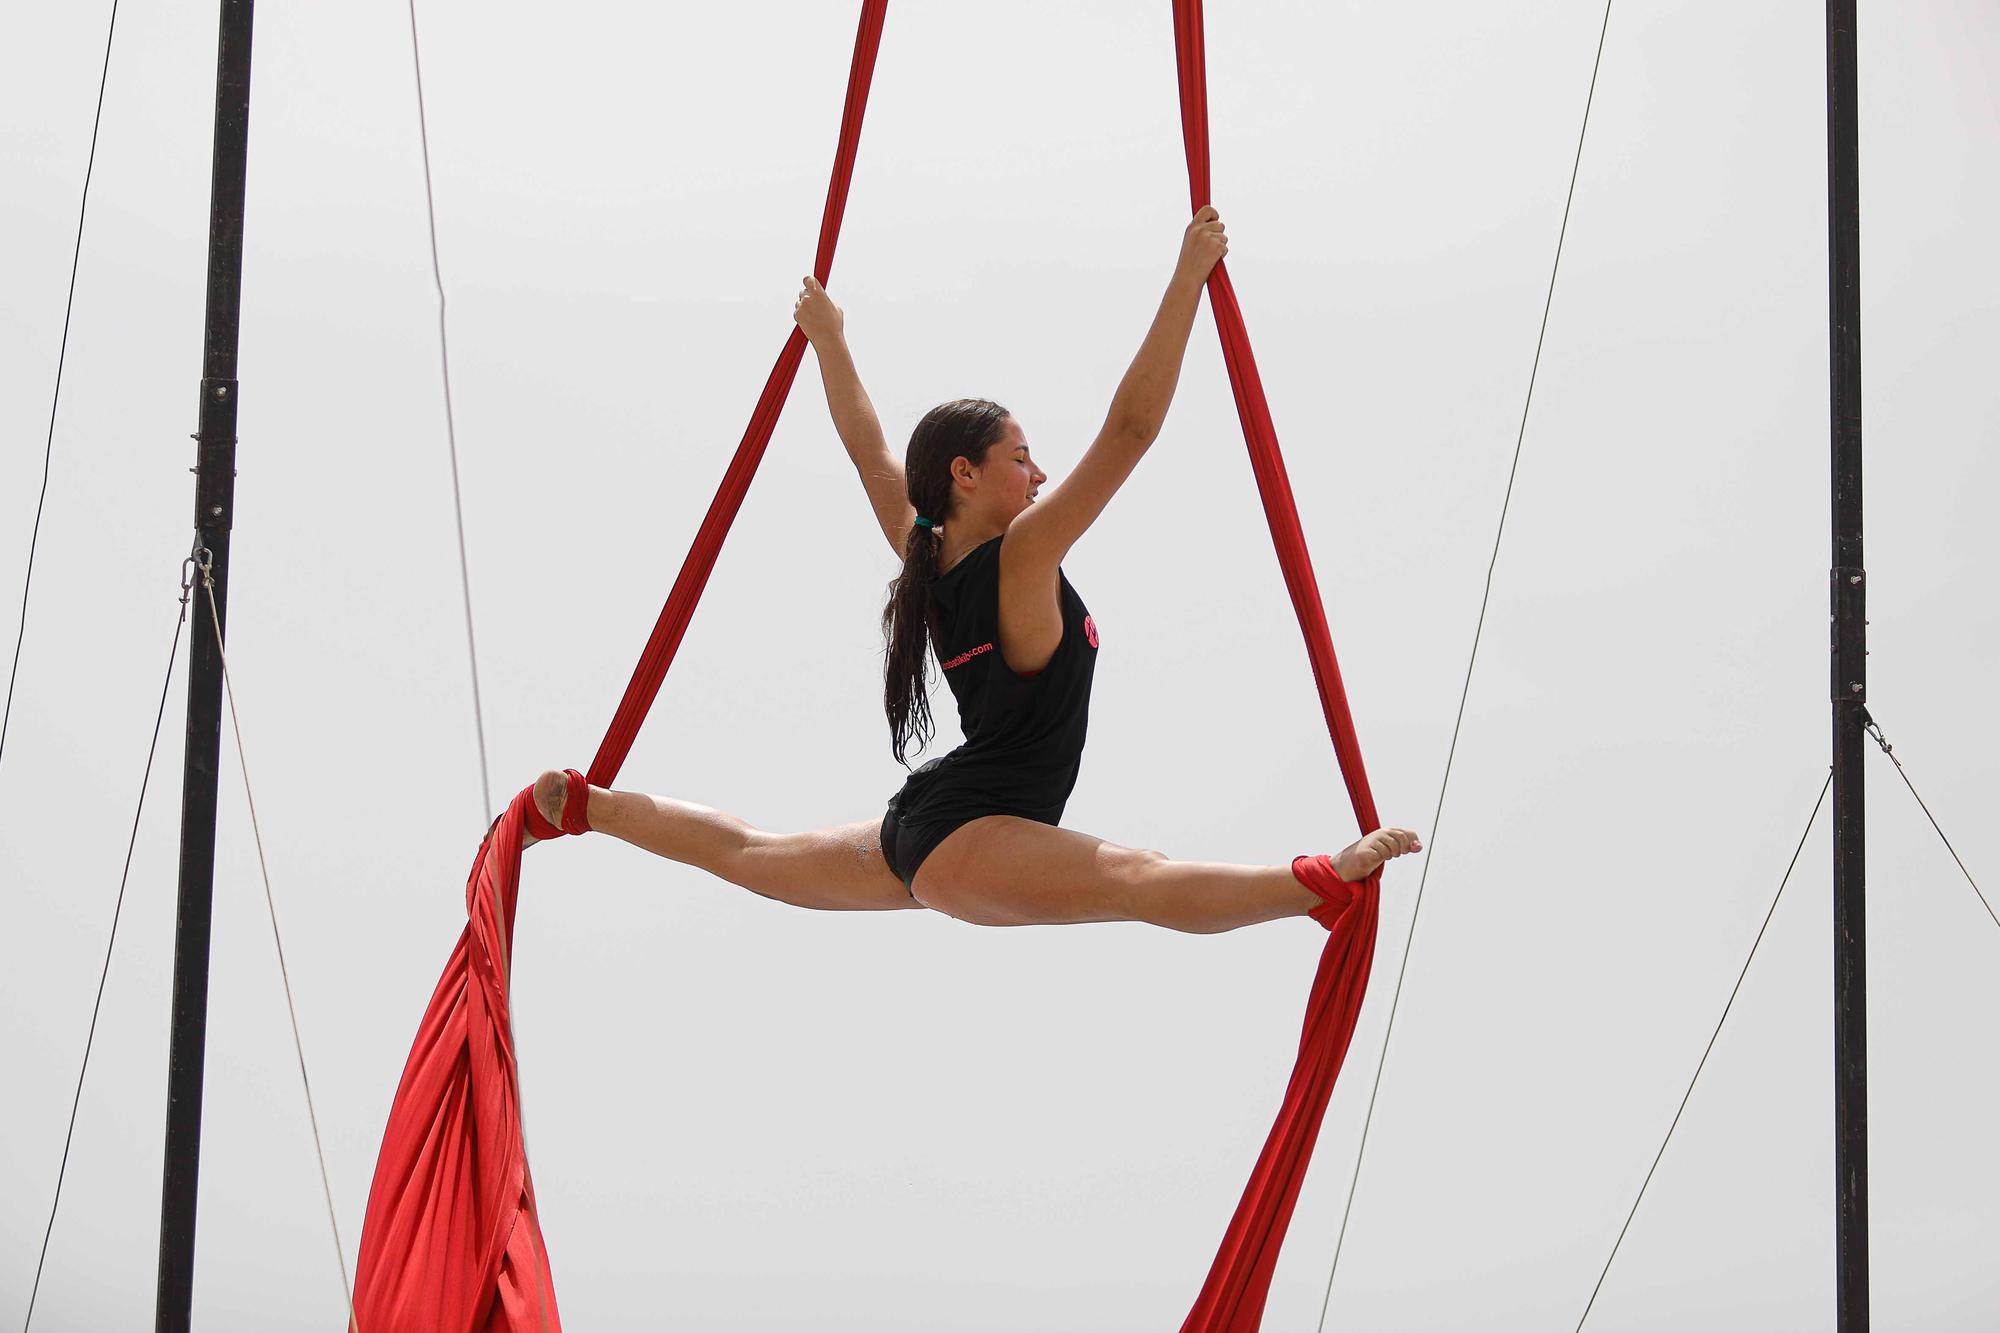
point(451, 1242)
point(1232, 1298)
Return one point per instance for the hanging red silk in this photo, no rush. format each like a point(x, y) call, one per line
point(1232, 1298)
point(451, 1240)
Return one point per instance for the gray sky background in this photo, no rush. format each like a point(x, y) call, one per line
point(744, 1117)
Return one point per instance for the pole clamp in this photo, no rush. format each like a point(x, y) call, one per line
point(215, 457)
point(1848, 634)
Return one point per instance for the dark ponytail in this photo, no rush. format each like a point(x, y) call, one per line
point(965, 428)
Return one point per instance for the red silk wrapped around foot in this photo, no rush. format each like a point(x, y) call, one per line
point(575, 810)
point(1336, 894)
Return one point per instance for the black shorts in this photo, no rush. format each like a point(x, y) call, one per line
point(905, 845)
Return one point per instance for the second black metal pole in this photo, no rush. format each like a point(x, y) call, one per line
point(1849, 678)
point(215, 491)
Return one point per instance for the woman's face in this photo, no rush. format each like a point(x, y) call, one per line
point(1007, 481)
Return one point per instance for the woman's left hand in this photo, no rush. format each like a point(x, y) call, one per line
point(1365, 857)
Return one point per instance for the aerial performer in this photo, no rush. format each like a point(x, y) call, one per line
point(453, 1241)
point(976, 833)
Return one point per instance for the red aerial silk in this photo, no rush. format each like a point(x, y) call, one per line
point(451, 1241)
point(1232, 1298)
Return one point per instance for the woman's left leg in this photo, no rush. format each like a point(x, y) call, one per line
point(838, 869)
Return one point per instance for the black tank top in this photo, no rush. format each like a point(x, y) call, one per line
point(1023, 734)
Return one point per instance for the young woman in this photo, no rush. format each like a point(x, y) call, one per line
point(975, 834)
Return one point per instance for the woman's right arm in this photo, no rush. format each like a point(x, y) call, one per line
point(1043, 534)
point(854, 416)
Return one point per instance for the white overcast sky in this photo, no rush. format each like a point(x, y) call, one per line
point(744, 1117)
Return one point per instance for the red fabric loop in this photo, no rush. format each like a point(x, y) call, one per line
point(1336, 894)
point(576, 804)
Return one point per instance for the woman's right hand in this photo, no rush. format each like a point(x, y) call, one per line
point(1202, 246)
point(818, 317)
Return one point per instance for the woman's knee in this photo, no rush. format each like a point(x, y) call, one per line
point(1132, 880)
point(1154, 888)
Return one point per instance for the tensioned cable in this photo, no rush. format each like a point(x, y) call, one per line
point(450, 425)
point(62, 355)
point(1875, 730)
point(117, 911)
point(1707, 1050)
point(1465, 691)
point(277, 940)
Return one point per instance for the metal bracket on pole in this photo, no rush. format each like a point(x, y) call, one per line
point(215, 455)
point(1849, 595)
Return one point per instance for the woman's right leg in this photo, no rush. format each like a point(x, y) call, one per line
point(832, 869)
point(1003, 871)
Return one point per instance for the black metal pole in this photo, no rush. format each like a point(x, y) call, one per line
point(1850, 679)
point(214, 488)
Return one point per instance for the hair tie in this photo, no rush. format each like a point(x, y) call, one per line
point(923, 522)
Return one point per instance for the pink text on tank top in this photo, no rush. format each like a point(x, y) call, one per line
point(1089, 632)
point(968, 655)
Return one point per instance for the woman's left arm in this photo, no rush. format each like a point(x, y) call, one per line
point(853, 414)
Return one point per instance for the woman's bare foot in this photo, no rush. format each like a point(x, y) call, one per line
point(1362, 859)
